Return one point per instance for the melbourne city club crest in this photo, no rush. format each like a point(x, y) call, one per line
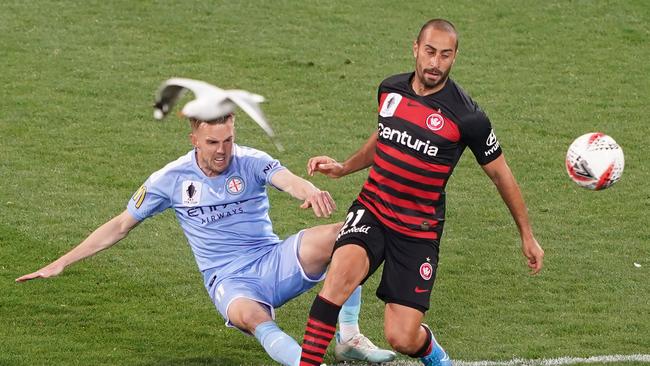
point(191, 192)
point(235, 185)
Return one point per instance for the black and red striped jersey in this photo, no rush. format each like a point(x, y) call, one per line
point(420, 140)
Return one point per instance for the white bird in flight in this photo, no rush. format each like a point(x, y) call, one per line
point(210, 103)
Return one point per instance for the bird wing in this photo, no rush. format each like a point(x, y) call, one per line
point(173, 89)
point(249, 103)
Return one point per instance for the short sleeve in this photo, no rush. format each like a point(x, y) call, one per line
point(478, 135)
point(148, 200)
point(263, 167)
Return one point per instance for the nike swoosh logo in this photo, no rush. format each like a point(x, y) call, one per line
point(420, 290)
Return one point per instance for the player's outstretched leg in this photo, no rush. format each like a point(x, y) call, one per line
point(351, 345)
point(254, 318)
point(434, 355)
point(319, 331)
point(280, 346)
point(348, 268)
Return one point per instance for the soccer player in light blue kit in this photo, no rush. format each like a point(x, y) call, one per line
point(218, 192)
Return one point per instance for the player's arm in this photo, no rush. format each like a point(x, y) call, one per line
point(361, 159)
point(320, 201)
point(502, 177)
point(105, 236)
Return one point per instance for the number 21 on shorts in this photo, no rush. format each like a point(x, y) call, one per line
point(354, 217)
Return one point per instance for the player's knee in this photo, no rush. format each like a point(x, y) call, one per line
point(336, 227)
point(247, 315)
point(402, 343)
point(402, 336)
point(320, 240)
point(321, 253)
point(248, 321)
point(329, 234)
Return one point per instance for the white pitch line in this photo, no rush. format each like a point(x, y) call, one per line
point(558, 361)
point(537, 362)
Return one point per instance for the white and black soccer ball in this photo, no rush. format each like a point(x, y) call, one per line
point(595, 161)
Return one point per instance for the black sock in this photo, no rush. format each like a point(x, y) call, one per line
point(426, 347)
point(319, 331)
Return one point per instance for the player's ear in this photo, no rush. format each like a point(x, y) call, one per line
point(193, 140)
point(415, 48)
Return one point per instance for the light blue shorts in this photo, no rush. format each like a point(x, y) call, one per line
point(271, 280)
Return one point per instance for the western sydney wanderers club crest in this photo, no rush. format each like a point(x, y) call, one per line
point(426, 270)
point(435, 121)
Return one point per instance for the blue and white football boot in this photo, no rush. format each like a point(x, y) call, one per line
point(438, 356)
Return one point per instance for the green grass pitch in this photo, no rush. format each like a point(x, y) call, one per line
point(77, 139)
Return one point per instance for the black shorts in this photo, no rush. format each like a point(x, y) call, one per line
point(410, 264)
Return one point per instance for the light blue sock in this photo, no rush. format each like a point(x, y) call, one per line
point(349, 316)
point(278, 344)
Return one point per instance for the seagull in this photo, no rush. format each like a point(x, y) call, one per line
point(211, 103)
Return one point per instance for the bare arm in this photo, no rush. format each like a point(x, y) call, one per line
point(501, 175)
point(104, 237)
point(359, 160)
point(320, 201)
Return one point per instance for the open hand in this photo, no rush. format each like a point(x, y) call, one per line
point(325, 165)
point(48, 271)
point(321, 202)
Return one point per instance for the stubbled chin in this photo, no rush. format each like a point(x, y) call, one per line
point(220, 165)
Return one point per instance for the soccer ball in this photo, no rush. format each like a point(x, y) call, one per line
point(595, 161)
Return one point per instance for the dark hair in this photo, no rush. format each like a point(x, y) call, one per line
point(195, 122)
point(439, 24)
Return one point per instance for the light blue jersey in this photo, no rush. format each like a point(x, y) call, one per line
point(226, 222)
point(225, 218)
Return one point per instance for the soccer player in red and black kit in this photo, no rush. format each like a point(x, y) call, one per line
point(425, 123)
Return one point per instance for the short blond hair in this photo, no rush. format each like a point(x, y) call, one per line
point(195, 122)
